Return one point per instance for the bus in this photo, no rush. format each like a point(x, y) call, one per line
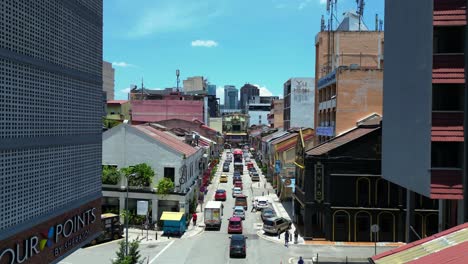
point(238, 165)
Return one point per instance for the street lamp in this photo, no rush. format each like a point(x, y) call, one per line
point(127, 215)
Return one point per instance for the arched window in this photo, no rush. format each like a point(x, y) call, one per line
point(363, 194)
point(386, 222)
point(341, 226)
point(362, 225)
point(382, 193)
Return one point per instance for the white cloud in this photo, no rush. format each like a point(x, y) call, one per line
point(125, 91)
point(122, 64)
point(204, 43)
point(264, 91)
point(304, 3)
point(280, 6)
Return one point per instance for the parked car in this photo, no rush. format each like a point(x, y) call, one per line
point(220, 195)
point(247, 159)
point(239, 212)
point(238, 246)
point(236, 191)
point(238, 184)
point(276, 225)
point(235, 225)
point(262, 203)
point(267, 213)
point(223, 178)
point(225, 168)
point(241, 200)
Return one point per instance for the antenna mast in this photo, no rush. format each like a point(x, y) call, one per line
point(177, 72)
point(360, 11)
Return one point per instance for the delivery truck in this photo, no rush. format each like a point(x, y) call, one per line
point(213, 215)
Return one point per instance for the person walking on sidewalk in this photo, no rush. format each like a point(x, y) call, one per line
point(194, 218)
point(254, 206)
point(286, 238)
point(301, 261)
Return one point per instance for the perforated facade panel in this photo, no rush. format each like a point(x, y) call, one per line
point(50, 109)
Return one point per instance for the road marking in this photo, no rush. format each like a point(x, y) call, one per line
point(162, 251)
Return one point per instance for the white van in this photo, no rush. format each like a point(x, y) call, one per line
point(213, 214)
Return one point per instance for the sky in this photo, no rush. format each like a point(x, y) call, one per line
point(262, 42)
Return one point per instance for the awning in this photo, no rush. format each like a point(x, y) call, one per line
point(171, 216)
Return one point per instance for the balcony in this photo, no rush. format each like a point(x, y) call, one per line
point(446, 183)
point(448, 68)
point(328, 104)
point(447, 127)
point(449, 12)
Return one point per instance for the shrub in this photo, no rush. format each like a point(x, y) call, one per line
point(144, 175)
point(110, 175)
point(164, 186)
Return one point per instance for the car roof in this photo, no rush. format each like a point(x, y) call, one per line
point(237, 237)
point(241, 196)
point(235, 219)
point(237, 188)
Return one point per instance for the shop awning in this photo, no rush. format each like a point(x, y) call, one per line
point(171, 216)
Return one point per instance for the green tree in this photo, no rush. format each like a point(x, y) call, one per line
point(144, 174)
point(133, 254)
point(110, 175)
point(164, 186)
point(109, 123)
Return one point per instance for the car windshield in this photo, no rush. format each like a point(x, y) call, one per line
point(234, 223)
point(220, 191)
point(262, 202)
point(268, 223)
point(237, 242)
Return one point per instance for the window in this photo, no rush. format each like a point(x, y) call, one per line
point(169, 173)
point(448, 97)
point(449, 39)
point(447, 154)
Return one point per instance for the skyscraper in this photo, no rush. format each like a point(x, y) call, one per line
point(231, 97)
point(50, 123)
point(246, 93)
point(212, 89)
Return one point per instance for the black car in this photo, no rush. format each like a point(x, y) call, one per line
point(238, 246)
point(268, 213)
point(225, 168)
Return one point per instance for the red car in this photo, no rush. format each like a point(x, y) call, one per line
point(238, 184)
point(220, 195)
point(235, 225)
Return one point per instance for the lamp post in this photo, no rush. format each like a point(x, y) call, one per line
point(127, 215)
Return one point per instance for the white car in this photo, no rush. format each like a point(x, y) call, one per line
point(236, 191)
point(262, 203)
point(239, 212)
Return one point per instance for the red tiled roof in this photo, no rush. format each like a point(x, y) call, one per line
point(454, 253)
point(293, 143)
point(117, 101)
point(449, 12)
point(448, 68)
point(340, 140)
point(168, 140)
point(446, 184)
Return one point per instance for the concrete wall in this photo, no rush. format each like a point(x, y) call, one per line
point(406, 146)
point(258, 117)
point(302, 102)
point(278, 111)
point(108, 79)
point(216, 123)
point(359, 94)
point(157, 110)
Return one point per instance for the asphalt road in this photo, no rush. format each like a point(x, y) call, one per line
point(213, 246)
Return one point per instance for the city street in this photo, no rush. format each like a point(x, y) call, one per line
point(213, 246)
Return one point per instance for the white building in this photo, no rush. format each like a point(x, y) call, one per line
point(299, 102)
point(258, 114)
point(169, 156)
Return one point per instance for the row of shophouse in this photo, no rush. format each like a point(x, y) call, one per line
point(183, 151)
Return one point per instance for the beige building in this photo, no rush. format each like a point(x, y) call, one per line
point(216, 123)
point(349, 77)
point(275, 118)
point(195, 84)
point(108, 77)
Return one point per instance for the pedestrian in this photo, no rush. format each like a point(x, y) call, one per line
point(286, 238)
point(254, 206)
point(296, 236)
point(194, 218)
point(301, 261)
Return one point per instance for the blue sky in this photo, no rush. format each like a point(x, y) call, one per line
point(262, 42)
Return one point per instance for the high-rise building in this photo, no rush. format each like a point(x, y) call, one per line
point(108, 80)
point(425, 100)
point(50, 123)
point(195, 84)
point(246, 93)
point(212, 89)
point(231, 97)
point(299, 103)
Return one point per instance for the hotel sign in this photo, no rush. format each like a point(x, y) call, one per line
point(327, 80)
point(325, 131)
point(47, 242)
point(319, 182)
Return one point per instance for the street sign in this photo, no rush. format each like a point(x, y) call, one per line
point(142, 207)
point(374, 228)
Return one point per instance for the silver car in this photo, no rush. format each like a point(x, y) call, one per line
point(276, 225)
point(239, 212)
